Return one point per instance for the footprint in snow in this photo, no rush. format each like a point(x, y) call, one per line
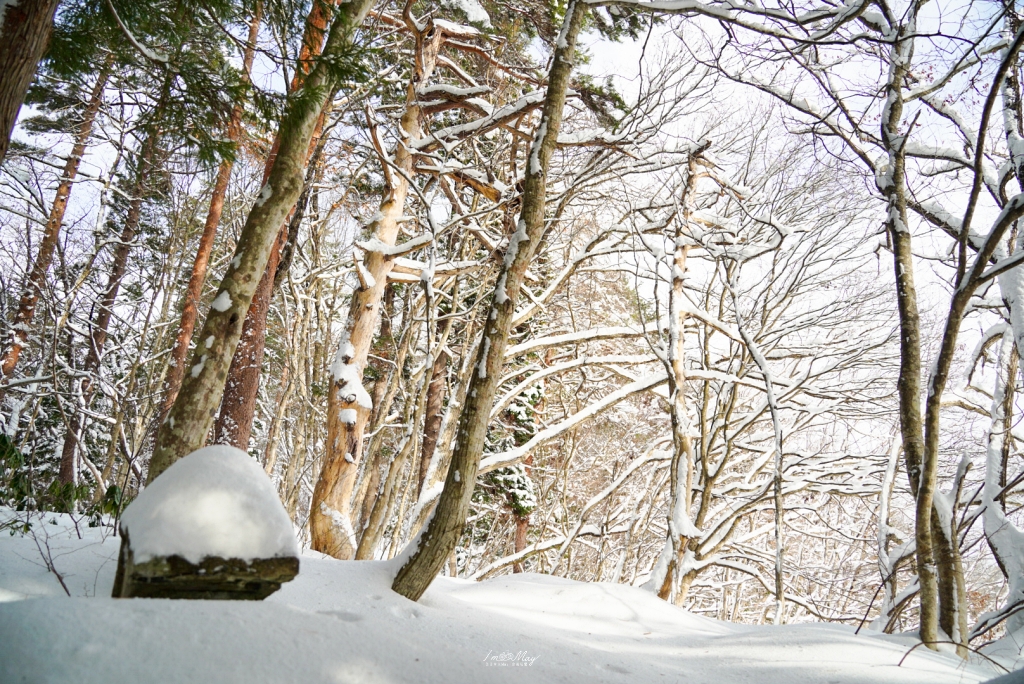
point(344, 615)
point(400, 611)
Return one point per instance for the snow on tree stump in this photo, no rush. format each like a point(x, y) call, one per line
point(209, 527)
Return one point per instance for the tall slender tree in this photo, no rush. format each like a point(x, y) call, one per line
point(192, 415)
point(237, 409)
point(197, 278)
point(435, 544)
point(25, 314)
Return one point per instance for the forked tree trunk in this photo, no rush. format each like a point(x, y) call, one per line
point(969, 277)
point(24, 35)
point(194, 291)
point(348, 404)
point(192, 415)
point(893, 186)
point(435, 544)
point(51, 234)
point(238, 406)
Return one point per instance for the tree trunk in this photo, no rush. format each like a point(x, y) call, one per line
point(950, 581)
point(194, 291)
point(238, 406)
point(435, 544)
point(191, 417)
point(435, 415)
point(893, 187)
point(522, 526)
point(520, 543)
point(348, 403)
point(51, 234)
point(24, 36)
point(680, 526)
point(1004, 538)
point(969, 278)
point(384, 390)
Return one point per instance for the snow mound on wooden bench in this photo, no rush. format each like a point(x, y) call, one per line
point(216, 501)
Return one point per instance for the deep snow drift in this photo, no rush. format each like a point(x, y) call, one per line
point(340, 622)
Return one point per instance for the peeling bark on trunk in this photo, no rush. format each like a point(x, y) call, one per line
point(348, 404)
point(51, 234)
point(435, 544)
point(191, 417)
point(24, 36)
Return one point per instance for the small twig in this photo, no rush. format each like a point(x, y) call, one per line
point(870, 604)
point(48, 561)
point(969, 648)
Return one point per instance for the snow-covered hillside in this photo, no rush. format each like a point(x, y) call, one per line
point(340, 622)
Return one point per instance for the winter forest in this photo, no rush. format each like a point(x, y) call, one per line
point(718, 299)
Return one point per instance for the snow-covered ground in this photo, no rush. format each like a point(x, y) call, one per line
point(340, 622)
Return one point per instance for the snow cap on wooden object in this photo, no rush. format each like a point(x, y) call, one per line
point(216, 501)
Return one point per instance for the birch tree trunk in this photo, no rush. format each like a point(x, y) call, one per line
point(190, 419)
point(434, 545)
point(51, 234)
point(666, 575)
